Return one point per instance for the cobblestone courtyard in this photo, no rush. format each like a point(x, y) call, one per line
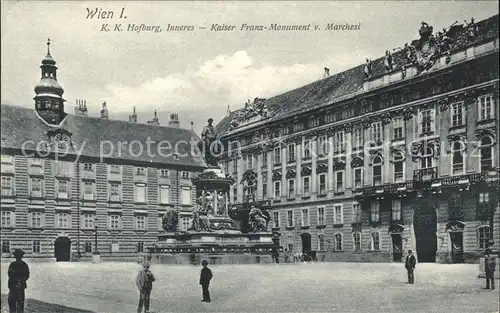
point(320, 287)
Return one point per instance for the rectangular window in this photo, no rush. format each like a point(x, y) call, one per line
point(375, 212)
point(321, 216)
point(140, 193)
point(88, 246)
point(483, 237)
point(164, 173)
point(264, 159)
point(305, 185)
point(377, 175)
point(264, 189)
point(36, 162)
point(5, 246)
point(339, 181)
point(377, 132)
point(7, 219)
point(88, 167)
point(277, 155)
point(289, 218)
point(115, 192)
point(115, 169)
point(338, 242)
point(305, 218)
point(356, 238)
point(321, 242)
point(249, 161)
point(307, 149)
point(322, 146)
point(276, 219)
point(7, 186)
point(375, 241)
point(62, 220)
point(338, 215)
point(235, 195)
point(356, 213)
point(140, 246)
point(36, 246)
point(486, 107)
point(398, 128)
point(186, 195)
point(36, 219)
point(164, 194)
point(398, 170)
point(396, 210)
point(426, 122)
point(457, 114)
point(291, 153)
point(140, 171)
point(140, 222)
point(322, 184)
point(88, 190)
point(358, 178)
point(357, 139)
point(62, 188)
point(36, 187)
point(88, 221)
point(226, 167)
point(235, 165)
point(339, 141)
point(291, 188)
point(7, 159)
point(277, 189)
point(185, 175)
point(114, 221)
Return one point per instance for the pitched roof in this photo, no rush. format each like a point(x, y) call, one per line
point(21, 125)
point(350, 82)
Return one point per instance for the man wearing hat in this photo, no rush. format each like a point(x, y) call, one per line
point(410, 264)
point(144, 282)
point(489, 268)
point(19, 273)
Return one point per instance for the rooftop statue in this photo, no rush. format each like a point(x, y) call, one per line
point(208, 144)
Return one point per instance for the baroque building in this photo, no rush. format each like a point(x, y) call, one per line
point(74, 184)
point(399, 153)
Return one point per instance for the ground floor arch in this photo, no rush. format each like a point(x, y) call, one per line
point(62, 249)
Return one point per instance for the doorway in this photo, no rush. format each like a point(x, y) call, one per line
point(425, 225)
point(457, 246)
point(306, 243)
point(397, 247)
point(62, 249)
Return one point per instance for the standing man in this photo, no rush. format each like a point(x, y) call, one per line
point(410, 266)
point(19, 273)
point(144, 282)
point(489, 268)
point(205, 277)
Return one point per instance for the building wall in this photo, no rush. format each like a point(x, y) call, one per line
point(443, 90)
point(20, 233)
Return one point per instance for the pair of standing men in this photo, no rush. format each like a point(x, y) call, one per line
point(145, 279)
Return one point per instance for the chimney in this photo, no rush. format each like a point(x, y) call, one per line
point(327, 72)
point(81, 107)
point(174, 120)
point(133, 118)
point(104, 111)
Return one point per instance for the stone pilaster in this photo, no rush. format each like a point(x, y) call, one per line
point(298, 181)
point(270, 163)
point(348, 176)
point(314, 156)
point(283, 171)
point(329, 178)
point(259, 175)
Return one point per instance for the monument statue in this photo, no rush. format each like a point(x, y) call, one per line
point(257, 220)
point(207, 144)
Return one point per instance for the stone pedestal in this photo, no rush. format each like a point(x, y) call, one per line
point(96, 258)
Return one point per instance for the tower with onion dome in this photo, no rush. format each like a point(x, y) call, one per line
point(49, 102)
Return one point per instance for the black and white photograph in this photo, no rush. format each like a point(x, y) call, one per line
point(250, 156)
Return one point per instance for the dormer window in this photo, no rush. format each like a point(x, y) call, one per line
point(139, 171)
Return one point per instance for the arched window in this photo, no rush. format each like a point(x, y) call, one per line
point(375, 242)
point(483, 236)
point(426, 158)
point(458, 158)
point(486, 150)
point(356, 241)
point(337, 242)
point(377, 170)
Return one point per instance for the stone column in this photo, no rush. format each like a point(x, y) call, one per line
point(368, 169)
point(314, 156)
point(348, 174)
point(283, 171)
point(329, 176)
point(386, 142)
point(298, 181)
point(258, 191)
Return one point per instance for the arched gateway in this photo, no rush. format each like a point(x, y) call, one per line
point(425, 226)
point(62, 249)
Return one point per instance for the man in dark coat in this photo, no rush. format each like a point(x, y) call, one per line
point(19, 273)
point(410, 266)
point(489, 268)
point(205, 277)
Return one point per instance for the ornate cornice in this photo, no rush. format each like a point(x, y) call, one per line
point(398, 150)
point(276, 175)
point(305, 170)
point(409, 112)
point(338, 164)
point(486, 132)
point(291, 173)
point(321, 168)
point(386, 118)
point(357, 162)
point(454, 138)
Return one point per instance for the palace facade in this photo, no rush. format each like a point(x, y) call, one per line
point(399, 153)
point(73, 184)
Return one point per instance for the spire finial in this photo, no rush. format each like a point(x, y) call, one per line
point(48, 46)
point(134, 110)
point(155, 114)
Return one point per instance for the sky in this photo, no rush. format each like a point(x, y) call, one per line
point(198, 74)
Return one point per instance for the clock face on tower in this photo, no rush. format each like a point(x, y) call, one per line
point(60, 139)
